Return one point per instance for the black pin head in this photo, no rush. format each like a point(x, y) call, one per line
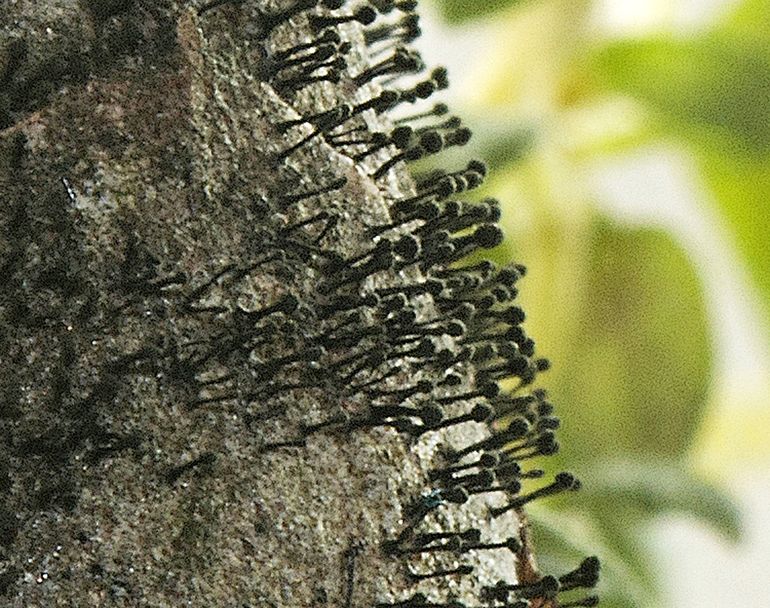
point(565, 481)
point(457, 495)
point(488, 236)
point(460, 137)
point(426, 348)
point(464, 312)
point(548, 423)
point(445, 188)
point(425, 89)
point(440, 76)
point(547, 445)
point(489, 390)
point(432, 142)
point(584, 576)
point(407, 247)
point(393, 304)
point(548, 587)
point(366, 15)
point(527, 347)
point(423, 387)
point(431, 415)
point(472, 181)
point(489, 460)
point(455, 329)
point(513, 315)
point(517, 428)
point(481, 412)
point(401, 137)
point(386, 100)
point(452, 380)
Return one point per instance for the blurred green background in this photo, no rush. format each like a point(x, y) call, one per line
point(630, 145)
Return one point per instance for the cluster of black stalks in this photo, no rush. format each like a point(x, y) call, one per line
point(414, 332)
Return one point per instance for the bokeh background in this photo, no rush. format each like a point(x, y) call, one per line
point(630, 144)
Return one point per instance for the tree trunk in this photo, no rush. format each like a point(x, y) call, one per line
point(198, 405)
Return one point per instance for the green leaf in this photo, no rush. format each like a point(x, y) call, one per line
point(621, 491)
point(750, 21)
point(609, 517)
point(715, 85)
point(563, 539)
point(742, 189)
point(504, 145)
point(457, 11)
point(712, 92)
point(636, 375)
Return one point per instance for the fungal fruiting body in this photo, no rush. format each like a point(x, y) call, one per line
point(271, 374)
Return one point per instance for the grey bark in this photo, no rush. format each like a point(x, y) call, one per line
point(137, 153)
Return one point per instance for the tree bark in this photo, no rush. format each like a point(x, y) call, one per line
point(170, 331)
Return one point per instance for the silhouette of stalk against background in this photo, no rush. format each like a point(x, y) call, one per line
point(245, 360)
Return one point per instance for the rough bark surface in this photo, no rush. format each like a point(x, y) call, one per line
point(146, 231)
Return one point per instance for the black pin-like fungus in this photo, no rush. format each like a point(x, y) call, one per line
point(228, 297)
